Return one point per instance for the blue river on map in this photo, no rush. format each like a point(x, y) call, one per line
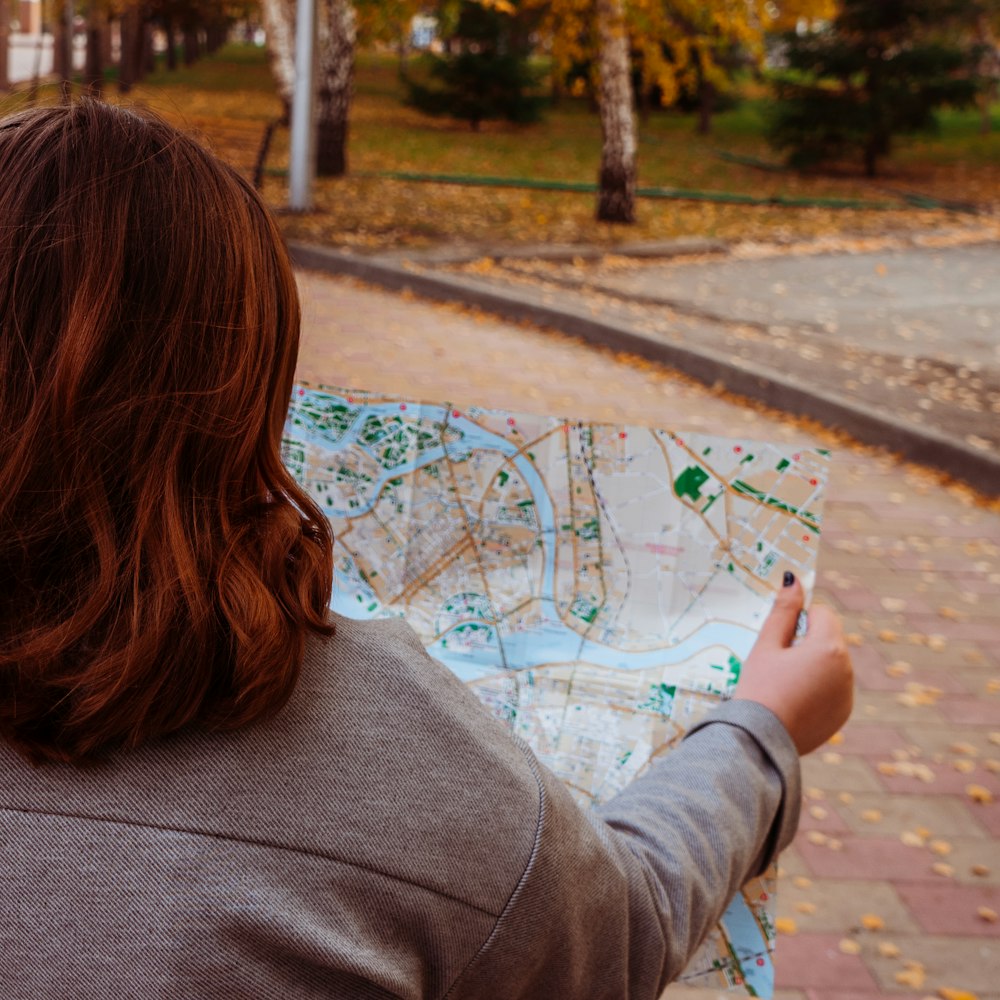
point(549, 639)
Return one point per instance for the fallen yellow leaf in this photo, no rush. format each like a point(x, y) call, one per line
point(872, 922)
point(817, 812)
point(988, 914)
point(872, 816)
point(980, 871)
point(801, 882)
point(940, 847)
point(807, 908)
point(849, 947)
point(964, 748)
point(785, 925)
point(946, 993)
point(980, 794)
point(914, 978)
point(888, 950)
point(943, 869)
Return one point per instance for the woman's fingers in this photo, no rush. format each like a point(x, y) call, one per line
point(778, 629)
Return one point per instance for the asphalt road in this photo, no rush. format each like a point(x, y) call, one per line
point(908, 333)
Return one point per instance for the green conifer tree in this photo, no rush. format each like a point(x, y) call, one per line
point(486, 74)
point(878, 70)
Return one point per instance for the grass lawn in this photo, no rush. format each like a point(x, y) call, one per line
point(228, 99)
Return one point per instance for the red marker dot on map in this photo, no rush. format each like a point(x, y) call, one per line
point(760, 961)
point(302, 392)
point(510, 421)
point(805, 538)
point(623, 435)
point(814, 482)
point(455, 413)
point(680, 441)
point(737, 449)
point(350, 399)
point(402, 406)
point(796, 457)
point(763, 897)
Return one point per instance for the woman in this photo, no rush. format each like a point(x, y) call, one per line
point(210, 787)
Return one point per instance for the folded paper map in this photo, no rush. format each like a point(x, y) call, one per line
point(598, 586)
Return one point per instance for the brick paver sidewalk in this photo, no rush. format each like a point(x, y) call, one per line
point(891, 884)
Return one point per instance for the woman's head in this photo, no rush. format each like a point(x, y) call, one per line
point(157, 564)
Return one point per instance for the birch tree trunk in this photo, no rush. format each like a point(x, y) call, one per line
point(616, 197)
point(335, 72)
point(336, 80)
point(279, 25)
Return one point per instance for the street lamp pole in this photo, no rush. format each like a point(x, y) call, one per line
point(302, 166)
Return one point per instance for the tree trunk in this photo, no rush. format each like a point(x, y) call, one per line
point(130, 63)
point(170, 31)
point(989, 72)
point(147, 53)
point(62, 43)
point(279, 26)
point(336, 34)
point(616, 197)
point(336, 80)
point(706, 106)
point(4, 45)
point(192, 46)
point(871, 154)
point(93, 73)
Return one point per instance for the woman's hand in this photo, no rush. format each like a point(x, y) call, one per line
point(808, 686)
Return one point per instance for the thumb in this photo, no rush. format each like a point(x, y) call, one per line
point(824, 625)
point(778, 629)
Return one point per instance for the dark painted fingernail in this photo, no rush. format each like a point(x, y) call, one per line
point(789, 578)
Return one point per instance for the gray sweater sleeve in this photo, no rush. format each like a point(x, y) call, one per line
point(614, 908)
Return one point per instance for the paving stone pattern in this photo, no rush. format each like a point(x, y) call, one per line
point(892, 828)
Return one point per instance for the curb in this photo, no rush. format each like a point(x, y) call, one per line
point(916, 444)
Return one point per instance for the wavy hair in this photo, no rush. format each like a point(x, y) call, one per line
point(159, 568)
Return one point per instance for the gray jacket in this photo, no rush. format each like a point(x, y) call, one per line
point(381, 837)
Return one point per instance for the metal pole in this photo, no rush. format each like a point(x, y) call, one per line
point(302, 168)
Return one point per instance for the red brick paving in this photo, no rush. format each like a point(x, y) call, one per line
point(814, 962)
point(951, 909)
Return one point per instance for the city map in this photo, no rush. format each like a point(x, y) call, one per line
point(598, 586)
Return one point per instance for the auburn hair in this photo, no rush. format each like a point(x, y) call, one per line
point(158, 565)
